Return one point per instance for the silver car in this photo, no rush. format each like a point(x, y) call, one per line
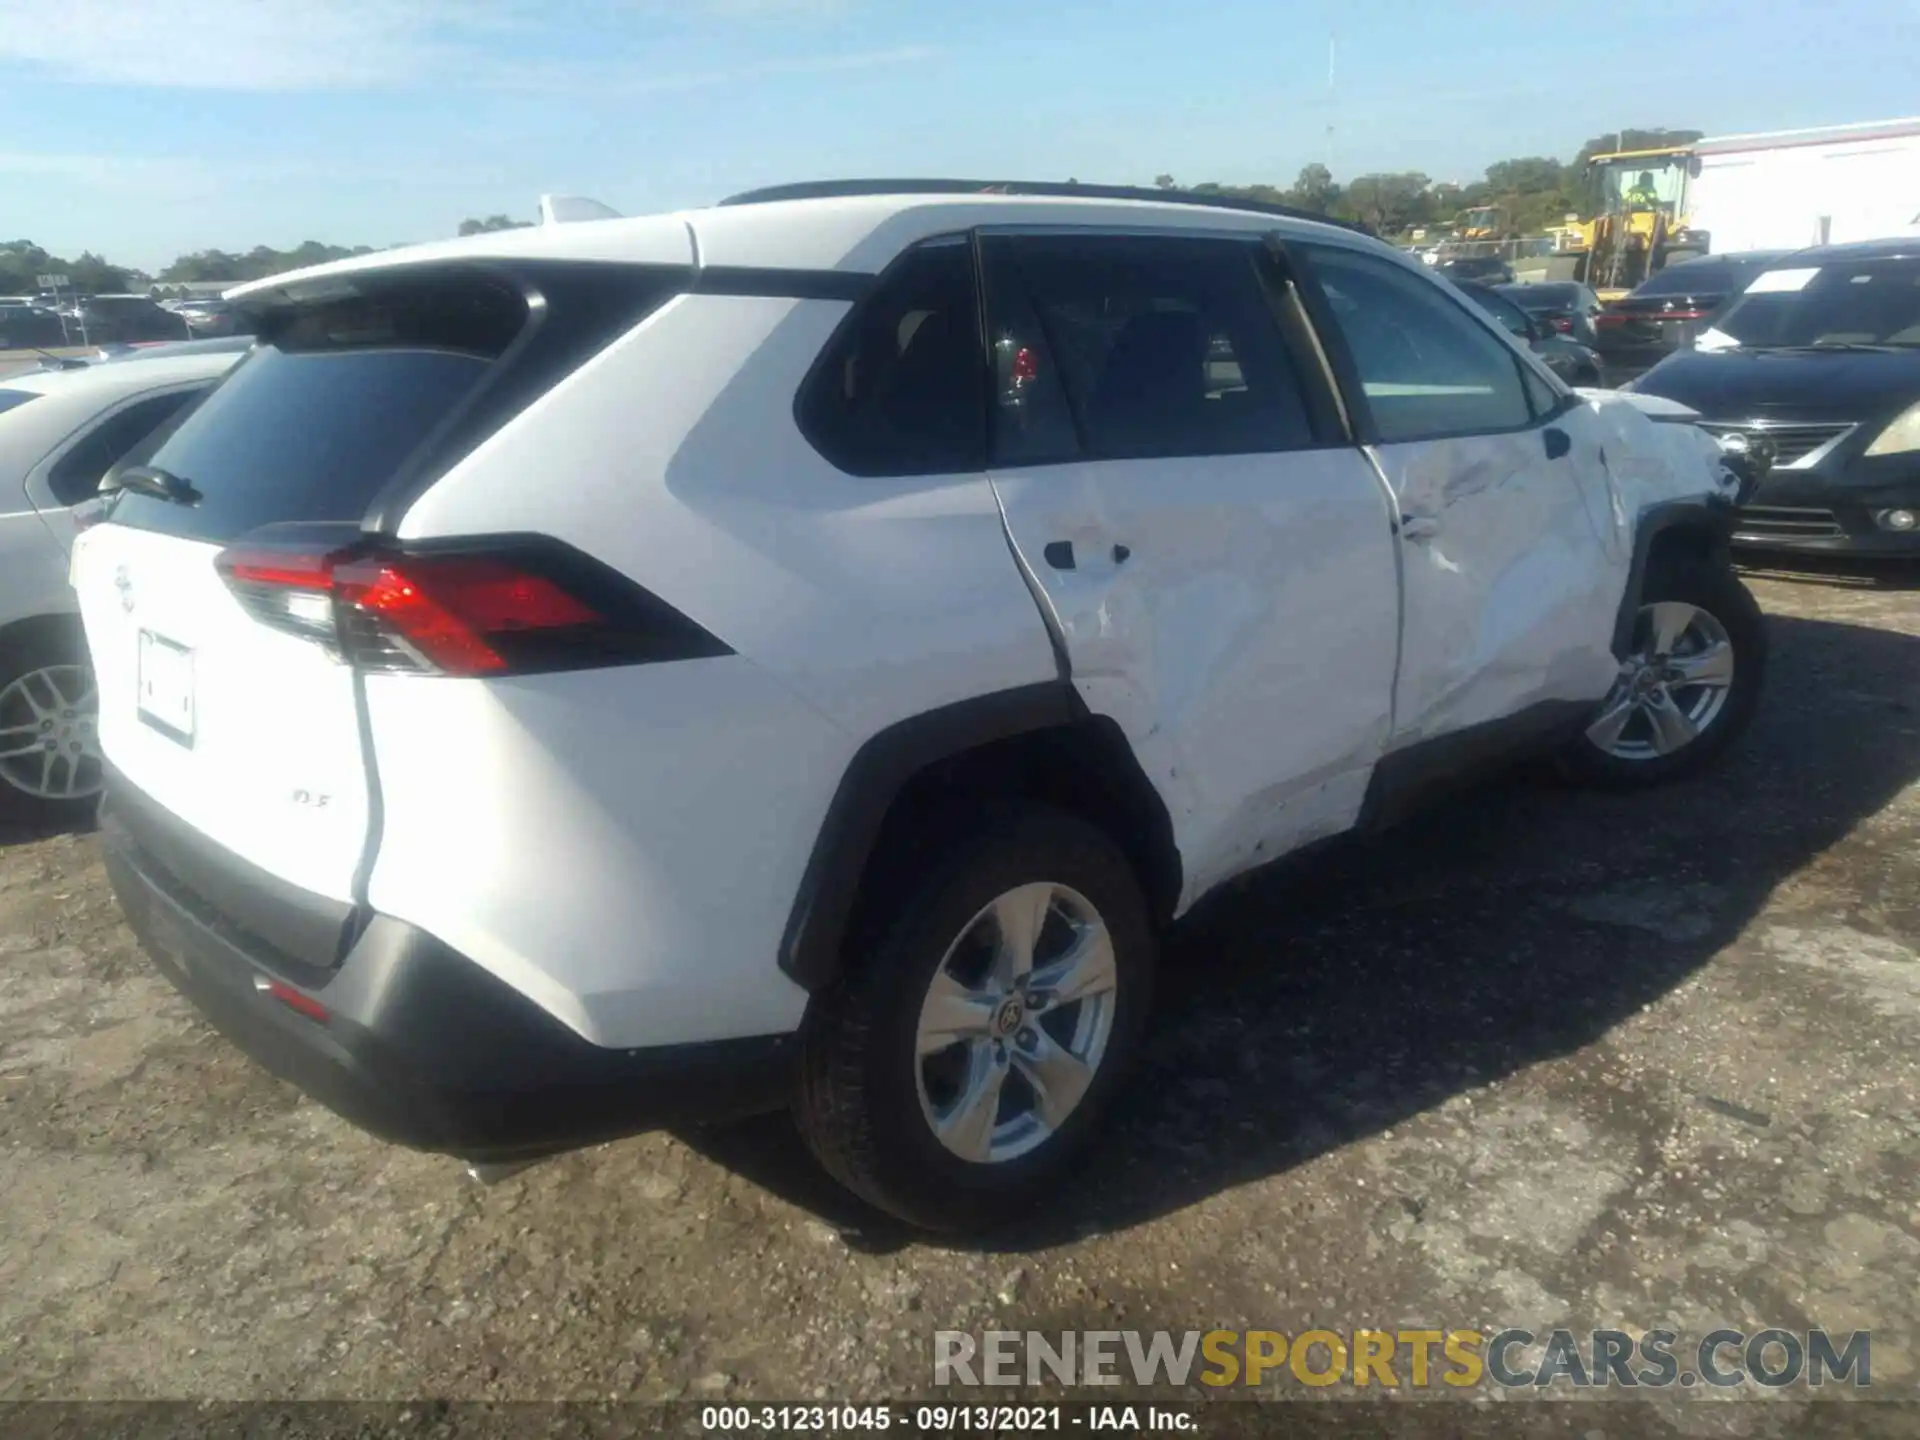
point(60, 431)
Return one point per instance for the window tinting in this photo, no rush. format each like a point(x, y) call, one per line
point(901, 388)
point(334, 399)
point(1714, 276)
point(1511, 317)
point(76, 474)
point(1160, 346)
point(1869, 302)
point(1426, 366)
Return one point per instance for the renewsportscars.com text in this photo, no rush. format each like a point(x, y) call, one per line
point(1410, 1359)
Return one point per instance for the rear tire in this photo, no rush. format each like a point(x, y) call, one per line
point(1697, 623)
point(47, 698)
point(896, 1054)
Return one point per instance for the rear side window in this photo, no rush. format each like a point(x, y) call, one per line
point(336, 397)
point(1427, 367)
point(1161, 346)
point(901, 387)
point(76, 474)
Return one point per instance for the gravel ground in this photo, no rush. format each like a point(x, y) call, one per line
point(1540, 1058)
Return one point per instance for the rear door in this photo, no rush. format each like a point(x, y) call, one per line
point(1510, 557)
point(252, 734)
point(1216, 557)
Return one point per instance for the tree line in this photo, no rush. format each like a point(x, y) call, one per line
point(1533, 191)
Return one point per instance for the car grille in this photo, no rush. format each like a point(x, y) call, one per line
point(1792, 442)
point(1786, 522)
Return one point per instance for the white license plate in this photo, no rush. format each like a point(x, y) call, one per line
point(166, 687)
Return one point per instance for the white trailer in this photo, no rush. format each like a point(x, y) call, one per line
point(1807, 187)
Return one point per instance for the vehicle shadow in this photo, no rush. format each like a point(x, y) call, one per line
point(1321, 1002)
point(21, 826)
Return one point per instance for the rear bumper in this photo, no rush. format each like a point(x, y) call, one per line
point(418, 1044)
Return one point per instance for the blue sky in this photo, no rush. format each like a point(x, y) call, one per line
point(144, 128)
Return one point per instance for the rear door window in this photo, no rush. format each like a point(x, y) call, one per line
point(76, 474)
point(1427, 368)
point(335, 399)
point(1159, 346)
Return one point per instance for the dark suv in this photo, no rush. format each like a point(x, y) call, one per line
point(1819, 364)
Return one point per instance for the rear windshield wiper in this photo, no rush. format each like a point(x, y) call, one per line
point(152, 480)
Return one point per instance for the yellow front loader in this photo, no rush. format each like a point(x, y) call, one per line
point(1642, 224)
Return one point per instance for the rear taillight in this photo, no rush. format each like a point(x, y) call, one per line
point(512, 608)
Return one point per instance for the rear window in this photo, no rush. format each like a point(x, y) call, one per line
point(340, 393)
point(1701, 277)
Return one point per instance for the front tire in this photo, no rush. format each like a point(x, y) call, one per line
point(952, 1074)
point(1688, 687)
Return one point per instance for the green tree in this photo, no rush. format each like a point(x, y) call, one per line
point(491, 223)
point(1389, 203)
point(1314, 189)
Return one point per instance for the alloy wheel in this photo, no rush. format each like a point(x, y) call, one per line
point(1671, 688)
point(50, 733)
point(1015, 1023)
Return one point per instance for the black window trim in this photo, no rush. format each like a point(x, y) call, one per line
point(39, 481)
point(1320, 396)
point(1366, 427)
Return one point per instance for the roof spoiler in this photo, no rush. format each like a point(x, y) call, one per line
point(571, 209)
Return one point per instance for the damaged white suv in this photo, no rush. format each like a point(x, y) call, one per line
point(802, 652)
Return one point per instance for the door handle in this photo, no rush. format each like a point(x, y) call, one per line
point(1059, 554)
point(1558, 442)
point(1418, 527)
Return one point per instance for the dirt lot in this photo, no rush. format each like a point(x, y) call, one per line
point(1542, 1058)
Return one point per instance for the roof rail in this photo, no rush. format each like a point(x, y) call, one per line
point(828, 189)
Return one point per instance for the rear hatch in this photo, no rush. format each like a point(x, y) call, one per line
point(249, 730)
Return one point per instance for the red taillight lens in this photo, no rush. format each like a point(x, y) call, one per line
point(517, 608)
point(1025, 366)
point(454, 609)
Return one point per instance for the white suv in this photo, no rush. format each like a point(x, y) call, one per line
point(580, 678)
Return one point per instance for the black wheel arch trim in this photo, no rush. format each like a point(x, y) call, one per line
point(882, 769)
point(1712, 517)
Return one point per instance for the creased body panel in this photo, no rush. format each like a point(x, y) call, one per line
point(1510, 601)
point(1245, 643)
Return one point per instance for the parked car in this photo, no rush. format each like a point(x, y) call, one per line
point(1573, 362)
point(1668, 310)
point(1487, 269)
point(1564, 307)
point(747, 688)
point(60, 432)
point(213, 317)
point(26, 326)
point(1819, 365)
point(126, 318)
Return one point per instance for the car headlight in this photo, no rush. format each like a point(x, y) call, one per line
point(1901, 436)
